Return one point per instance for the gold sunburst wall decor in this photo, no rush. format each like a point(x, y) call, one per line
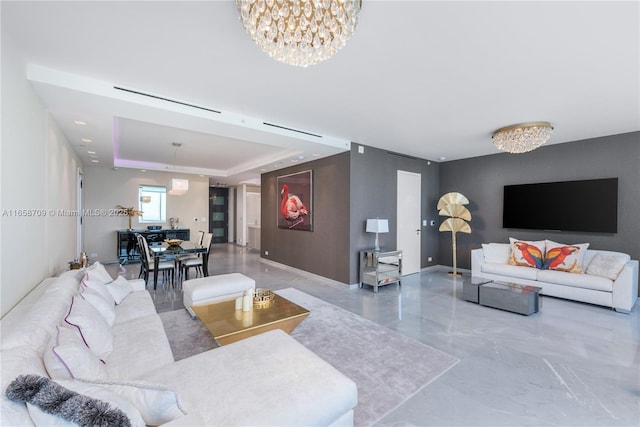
point(452, 206)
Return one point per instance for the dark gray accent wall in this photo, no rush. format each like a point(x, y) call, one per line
point(348, 188)
point(325, 250)
point(482, 180)
point(373, 195)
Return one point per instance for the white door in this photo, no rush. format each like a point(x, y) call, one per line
point(408, 228)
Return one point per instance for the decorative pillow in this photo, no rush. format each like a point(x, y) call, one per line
point(608, 266)
point(496, 252)
point(93, 329)
point(526, 253)
point(97, 286)
point(54, 399)
point(106, 310)
point(98, 273)
point(119, 289)
point(14, 362)
point(67, 357)
point(158, 404)
point(562, 257)
point(102, 393)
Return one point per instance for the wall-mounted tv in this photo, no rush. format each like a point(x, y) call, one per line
point(589, 205)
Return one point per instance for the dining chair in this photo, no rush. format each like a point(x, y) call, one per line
point(197, 261)
point(181, 258)
point(147, 264)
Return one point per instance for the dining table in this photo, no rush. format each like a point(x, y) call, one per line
point(163, 249)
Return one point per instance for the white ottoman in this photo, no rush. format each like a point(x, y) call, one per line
point(222, 287)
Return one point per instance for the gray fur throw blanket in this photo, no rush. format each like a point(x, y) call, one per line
point(54, 399)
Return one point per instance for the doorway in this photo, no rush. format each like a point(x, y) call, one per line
point(219, 214)
point(408, 213)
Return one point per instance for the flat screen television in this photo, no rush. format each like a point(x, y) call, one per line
point(588, 205)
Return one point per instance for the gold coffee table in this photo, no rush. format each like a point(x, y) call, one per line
point(228, 325)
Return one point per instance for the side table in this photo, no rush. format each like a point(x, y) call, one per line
point(380, 268)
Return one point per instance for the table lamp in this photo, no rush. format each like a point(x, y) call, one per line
point(377, 226)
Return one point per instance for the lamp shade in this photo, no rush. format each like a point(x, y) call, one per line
point(377, 225)
point(178, 187)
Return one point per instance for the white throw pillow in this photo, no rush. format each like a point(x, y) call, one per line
point(90, 325)
point(526, 253)
point(563, 257)
point(608, 266)
point(67, 357)
point(119, 289)
point(41, 418)
point(99, 287)
point(158, 404)
point(98, 273)
point(496, 252)
point(106, 310)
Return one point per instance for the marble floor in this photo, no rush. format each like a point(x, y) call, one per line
point(571, 364)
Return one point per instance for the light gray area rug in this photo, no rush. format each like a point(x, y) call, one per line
point(387, 367)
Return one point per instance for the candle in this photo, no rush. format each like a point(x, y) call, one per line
point(247, 302)
point(239, 303)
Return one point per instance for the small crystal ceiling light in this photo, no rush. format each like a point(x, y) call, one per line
point(523, 137)
point(300, 32)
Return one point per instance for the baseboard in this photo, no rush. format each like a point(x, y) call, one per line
point(445, 268)
point(326, 280)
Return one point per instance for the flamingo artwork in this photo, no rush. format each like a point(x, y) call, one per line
point(291, 207)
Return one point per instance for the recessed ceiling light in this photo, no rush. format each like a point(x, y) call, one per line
point(86, 140)
point(315, 154)
point(91, 152)
point(143, 170)
point(79, 122)
point(443, 158)
point(95, 161)
point(294, 160)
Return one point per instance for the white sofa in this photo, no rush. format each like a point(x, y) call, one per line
point(269, 379)
point(619, 293)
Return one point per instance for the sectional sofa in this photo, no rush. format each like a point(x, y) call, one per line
point(102, 338)
point(599, 277)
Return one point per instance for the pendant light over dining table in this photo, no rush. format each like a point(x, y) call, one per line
point(178, 186)
point(300, 32)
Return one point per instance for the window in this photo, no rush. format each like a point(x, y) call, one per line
point(153, 203)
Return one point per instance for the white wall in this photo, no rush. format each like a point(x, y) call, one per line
point(38, 173)
point(253, 208)
point(247, 213)
point(105, 188)
point(241, 215)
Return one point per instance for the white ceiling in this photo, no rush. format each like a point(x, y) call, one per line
point(424, 78)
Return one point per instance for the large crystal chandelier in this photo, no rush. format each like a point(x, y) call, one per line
point(300, 32)
point(522, 137)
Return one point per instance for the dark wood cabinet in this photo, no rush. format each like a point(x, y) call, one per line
point(127, 244)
